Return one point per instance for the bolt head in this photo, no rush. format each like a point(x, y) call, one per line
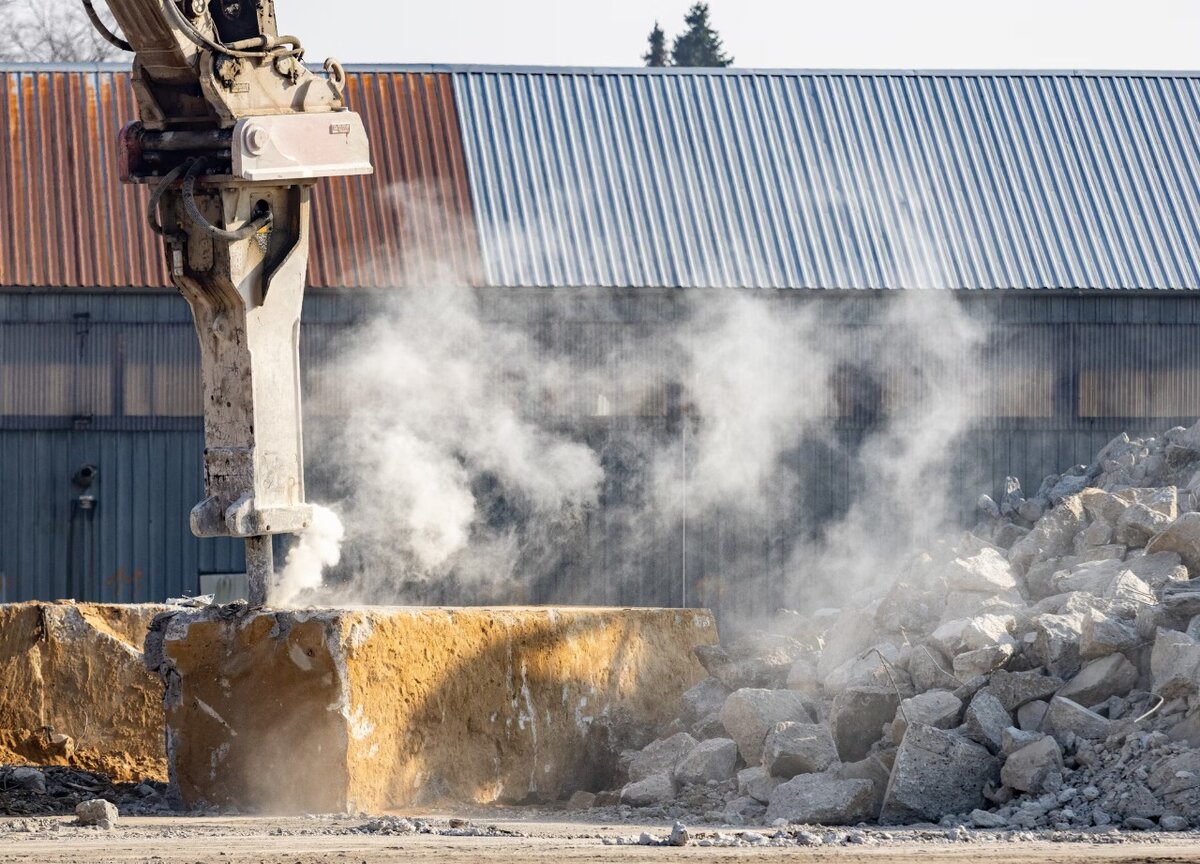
point(255, 139)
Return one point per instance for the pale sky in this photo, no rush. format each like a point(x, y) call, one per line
point(894, 34)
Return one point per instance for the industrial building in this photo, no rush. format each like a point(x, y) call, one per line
point(1064, 206)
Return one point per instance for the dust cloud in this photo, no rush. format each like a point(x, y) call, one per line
point(481, 447)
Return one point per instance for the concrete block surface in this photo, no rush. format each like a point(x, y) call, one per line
point(74, 689)
point(378, 708)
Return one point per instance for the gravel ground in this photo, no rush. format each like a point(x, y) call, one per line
point(540, 836)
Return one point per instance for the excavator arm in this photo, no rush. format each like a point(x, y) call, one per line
point(234, 131)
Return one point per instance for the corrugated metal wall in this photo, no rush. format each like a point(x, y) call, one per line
point(111, 381)
point(779, 179)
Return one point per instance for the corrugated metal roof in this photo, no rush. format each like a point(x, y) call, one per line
point(671, 178)
point(71, 224)
point(775, 179)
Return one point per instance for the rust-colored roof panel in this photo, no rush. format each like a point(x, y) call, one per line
point(69, 223)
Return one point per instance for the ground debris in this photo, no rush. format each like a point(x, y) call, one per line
point(399, 825)
point(55, 791)
point(993, 682)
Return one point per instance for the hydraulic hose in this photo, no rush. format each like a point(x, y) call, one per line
point(193, 212)
point(109, 36)
point(156, 196)
point(202, 41)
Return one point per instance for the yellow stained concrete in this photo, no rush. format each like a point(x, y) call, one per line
point(77, 670)
point(372, 709)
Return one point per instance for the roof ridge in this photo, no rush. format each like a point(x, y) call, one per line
point(485, 68)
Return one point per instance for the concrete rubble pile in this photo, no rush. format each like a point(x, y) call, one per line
point(57, 790)
point(1039, 672)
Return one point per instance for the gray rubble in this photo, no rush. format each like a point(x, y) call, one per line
point(820, 799)
point(798, 748)
point(937, 771)
point(98, 813)
point(1039, 672)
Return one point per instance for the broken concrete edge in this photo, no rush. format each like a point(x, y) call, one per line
point(395, 706)
point(74, 690)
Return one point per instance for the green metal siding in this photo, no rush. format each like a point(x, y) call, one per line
point(135, 544)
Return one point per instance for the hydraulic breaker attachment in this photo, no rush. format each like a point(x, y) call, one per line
point(234, 132)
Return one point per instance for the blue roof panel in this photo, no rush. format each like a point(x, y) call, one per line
point(777, 179)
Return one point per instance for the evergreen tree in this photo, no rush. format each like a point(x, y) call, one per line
point(657, 55)
point(699, 45)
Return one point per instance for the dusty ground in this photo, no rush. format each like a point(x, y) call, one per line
point(341, 840)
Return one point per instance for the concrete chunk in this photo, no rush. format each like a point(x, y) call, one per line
point(97, 813)
point(1052, 537)
point(403, 706)
point(1138, 524)
point(759, 660)
point(850, 635)
point(986, 571)
point(803, 677)
point(970, 634)
point(1015, 739)
point(757, 783)
point(930, 669)
point(707, 728)
point(1108, 676)
point(986, 719)
point(985, 819)
point(27, 778)
point(1032, 715)
point(818, 799)
point(936, 773)
point(1055, 645)
point(798, 748)
point(704, 699)
point(1181, 601)
point(1015, 689)
point(1104, 635)
point(1158, 569)
point(983, 661)
point(1066, 717)
point(877, 768)
point(750, 714)
point(1029, 768)
point(856, 719)
point(938, 708)
point(871, 668)
point(655, 789)
point(661, 756)
point(1175, 664)
point(1181, 537)
point(1103, 506)
point(78, 668)
point(714, 759)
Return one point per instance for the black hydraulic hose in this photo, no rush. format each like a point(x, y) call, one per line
point(156, 196)
point(202, 41)
point(109, 36)
point(193, 212)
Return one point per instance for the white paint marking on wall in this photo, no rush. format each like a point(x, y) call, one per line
point(218, 756)
point(360, 726)
point(300, 658)
point(530, 715)
point(207, 709)
point(583, 722)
